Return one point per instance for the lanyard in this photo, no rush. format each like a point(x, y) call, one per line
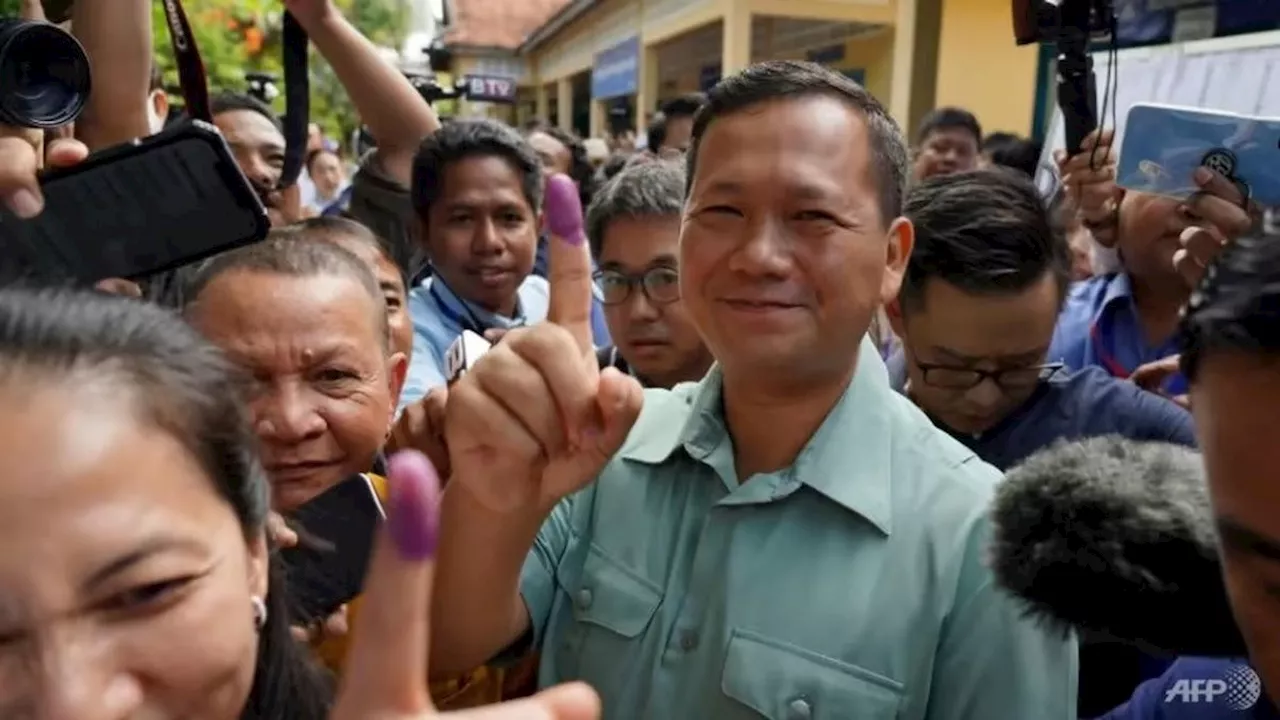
point(195, 85)
point(1108, 361)
point(467, 321)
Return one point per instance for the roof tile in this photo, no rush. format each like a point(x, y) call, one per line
point(499, 23)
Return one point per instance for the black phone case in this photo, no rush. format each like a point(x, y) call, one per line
point(130, 211)
point(336, 531)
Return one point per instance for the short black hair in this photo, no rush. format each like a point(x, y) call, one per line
point(648, 189)
point(581, 170)
point(1011, 151)
point(287, 253)
point(1237, 306)
point(686, 105)
point(987, 232)
point(465, 139)
point(791, 79)
point(232, 101)
point(949, 118)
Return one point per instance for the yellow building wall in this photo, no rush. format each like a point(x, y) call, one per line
point(872, 53)
point(982, 70)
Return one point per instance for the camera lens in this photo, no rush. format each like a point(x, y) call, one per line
point(44, 75)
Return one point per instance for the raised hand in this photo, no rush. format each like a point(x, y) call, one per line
point(386, 674)
point(421, 427)
point(1089, 179)
point(20, 161)
point(1221, 214)
point(310, 11)
point(536, 419)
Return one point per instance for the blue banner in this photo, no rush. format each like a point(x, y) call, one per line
point(708, 76)
point(616, 71)
point(1150, 22)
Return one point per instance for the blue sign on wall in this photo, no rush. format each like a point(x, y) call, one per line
point(616, 71)
point(858, 75)
point(1150, 22)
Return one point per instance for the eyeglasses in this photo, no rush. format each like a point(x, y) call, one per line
point(954, 378)
point(661, 285)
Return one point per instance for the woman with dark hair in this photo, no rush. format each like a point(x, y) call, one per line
point(137, 578)
point(132, 501)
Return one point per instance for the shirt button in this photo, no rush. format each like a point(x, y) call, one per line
point(584, 598)
point(799, 709)
point(688, 640)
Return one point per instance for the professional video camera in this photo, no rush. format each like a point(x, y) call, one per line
point(44, 74)
point(1068, 25)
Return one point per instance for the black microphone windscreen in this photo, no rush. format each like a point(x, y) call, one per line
point(1116, 537)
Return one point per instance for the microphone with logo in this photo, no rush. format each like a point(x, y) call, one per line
point(1116, 537)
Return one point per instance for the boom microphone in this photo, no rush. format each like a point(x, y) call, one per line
point(1116, 537)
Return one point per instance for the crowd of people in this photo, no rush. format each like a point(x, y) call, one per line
point(751, 385)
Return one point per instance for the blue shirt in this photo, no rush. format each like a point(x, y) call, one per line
point(439, 316)
point(1099, 326)
point(1166, 698)
point(1084, 404)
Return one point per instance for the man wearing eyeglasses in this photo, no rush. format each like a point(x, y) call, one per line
point(976, 315)
point(634, 228)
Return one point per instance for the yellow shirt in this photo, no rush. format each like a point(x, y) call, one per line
point(482, 686)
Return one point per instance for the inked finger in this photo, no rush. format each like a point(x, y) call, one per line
point(569, 261)
point(386, 669)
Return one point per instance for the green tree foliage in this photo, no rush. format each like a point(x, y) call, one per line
point(236, 37)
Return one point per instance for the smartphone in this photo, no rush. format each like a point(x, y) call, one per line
point(134, 210)
point(326, 569)
point(1163, 145)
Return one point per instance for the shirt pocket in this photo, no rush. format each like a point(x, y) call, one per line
point(784, 682)
point(611, 608)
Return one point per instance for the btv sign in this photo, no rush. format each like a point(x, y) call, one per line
point(490, 88)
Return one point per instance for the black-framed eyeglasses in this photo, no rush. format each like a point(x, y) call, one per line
point(661, 285)
point(957, 378)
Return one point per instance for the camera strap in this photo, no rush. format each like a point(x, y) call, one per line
point(195, 83)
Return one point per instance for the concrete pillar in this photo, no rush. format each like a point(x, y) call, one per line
point(915, 61)
point(647, 88)
point(597, 126)
point(543, 111)
point(736, 37)
point(564, 103)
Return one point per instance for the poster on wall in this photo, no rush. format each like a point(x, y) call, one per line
point(616, 71)
point(1150, 22)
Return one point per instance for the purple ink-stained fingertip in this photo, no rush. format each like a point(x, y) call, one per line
point(562, 209)
point(413, 512)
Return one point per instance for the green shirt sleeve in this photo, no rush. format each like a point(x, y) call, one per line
point(993, 661)
point(538, 577)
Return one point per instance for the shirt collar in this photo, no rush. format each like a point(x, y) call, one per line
point(468, 309)
point(1118, 288)
point(847, 459)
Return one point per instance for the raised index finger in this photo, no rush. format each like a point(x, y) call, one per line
point(569, 261)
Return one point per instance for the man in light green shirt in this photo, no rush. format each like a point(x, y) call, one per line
point(787, 538)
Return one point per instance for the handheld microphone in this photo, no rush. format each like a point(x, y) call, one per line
point(1116, 537)
point(463, 355)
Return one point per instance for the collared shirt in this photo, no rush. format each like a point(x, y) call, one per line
point(1072, 406)
point(849, 585)
point(439, 317)
point(1099, 326)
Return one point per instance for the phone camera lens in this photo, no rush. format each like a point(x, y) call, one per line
point(44, 74)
